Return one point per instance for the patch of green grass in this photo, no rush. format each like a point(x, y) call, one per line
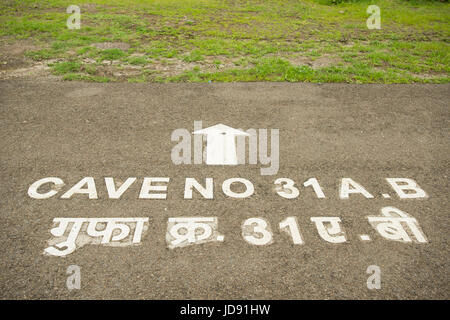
point(112, 54)
point(276, 69)
point(138, 60)
point(39, 55)
point(90, 69)
point(193, 56)
point(84, 50)
point(258, 37)
point(66, 67)
point(140, 79)
point(81, 77)
point(160, 49)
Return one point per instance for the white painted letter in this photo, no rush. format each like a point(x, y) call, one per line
point(207, 192)
point(33, 193)
point(111, 188)
point(248, 185)
point(256, 226)
point(400, 185)
point(91, 190)
point(286, 188)
point(147, 187)
point(332, 232)
point(290, 226)
point(356, 188)
point(315, 185)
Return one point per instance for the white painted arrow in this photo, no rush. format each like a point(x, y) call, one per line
point(221, 144)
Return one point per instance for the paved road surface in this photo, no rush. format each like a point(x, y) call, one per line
point(367, 133)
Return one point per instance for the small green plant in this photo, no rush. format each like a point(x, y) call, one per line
point(193, 56)
point(82, 77)
point(112, 54)
point(83, 51)
point(138, 60)
point(90, 69)
point(39, 55)
point(66, 67)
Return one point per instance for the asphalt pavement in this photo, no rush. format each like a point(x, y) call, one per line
point(73, 130)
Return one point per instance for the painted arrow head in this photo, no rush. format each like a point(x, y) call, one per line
point(221, 129)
